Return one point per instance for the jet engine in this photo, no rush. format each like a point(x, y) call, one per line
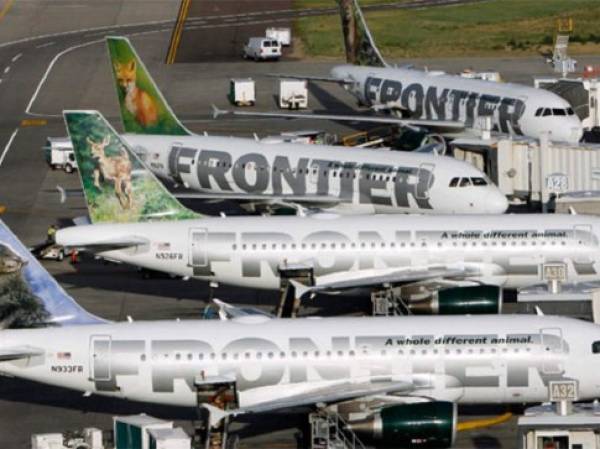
point(476, 300)
point(416, 425)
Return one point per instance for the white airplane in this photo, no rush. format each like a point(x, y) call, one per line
point(342, 179)
point(447, 263)
point(396, 379)
point(448, 104)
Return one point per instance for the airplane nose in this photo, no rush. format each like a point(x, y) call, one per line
point(495, 203)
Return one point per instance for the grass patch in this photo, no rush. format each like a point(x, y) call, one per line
point(496, 27)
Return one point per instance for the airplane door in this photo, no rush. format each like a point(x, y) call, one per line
point(583, 234)
point(100, 357)
point(173, 161)
point(552, 346)
point(424, 181)
point(198, 255)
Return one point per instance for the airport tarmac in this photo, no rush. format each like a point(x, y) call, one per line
point(67, 68)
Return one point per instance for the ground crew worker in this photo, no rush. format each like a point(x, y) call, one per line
point(51, 235)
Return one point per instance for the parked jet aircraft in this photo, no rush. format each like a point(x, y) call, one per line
point(472, 255)
point(316, 176)
point(456, 103)
point(396, 379)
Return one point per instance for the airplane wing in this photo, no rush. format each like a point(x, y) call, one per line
point(227, 311)
point(18, 353)
point(324, 79)
point(338, 282)
point(330, 393)
point(434, 125)
point(283, 200)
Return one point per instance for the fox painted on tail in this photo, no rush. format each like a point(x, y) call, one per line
point(137, 101)
point(143, 108)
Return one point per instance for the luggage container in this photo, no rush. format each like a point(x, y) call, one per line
point(169, 439)
point(242, 92)
point(131, 432)
point(282, 34)
point(293, 94)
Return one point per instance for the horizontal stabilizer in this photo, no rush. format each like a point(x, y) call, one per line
point(18, 353)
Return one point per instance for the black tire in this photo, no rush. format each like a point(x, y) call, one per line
point(69, 168)
point(53, 166)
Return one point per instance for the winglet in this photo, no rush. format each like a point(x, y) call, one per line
point(143, 107)
point(539, 311)
point(216, 112)
point(216, 414)
point(301, 289)
point(117, 186)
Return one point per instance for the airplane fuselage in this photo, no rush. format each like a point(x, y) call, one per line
point(506, 250)
point(330, 177)
point(483, 359)
point(512, 108)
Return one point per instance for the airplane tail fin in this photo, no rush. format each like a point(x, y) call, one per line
point(117, 186)
point(144, 109)
point(29, 295)
point(358, 41)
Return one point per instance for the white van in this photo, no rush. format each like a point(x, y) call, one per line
point(259, 48)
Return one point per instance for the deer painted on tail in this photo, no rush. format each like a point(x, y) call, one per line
point(116, 169)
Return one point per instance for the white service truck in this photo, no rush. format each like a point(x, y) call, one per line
point(58, 152)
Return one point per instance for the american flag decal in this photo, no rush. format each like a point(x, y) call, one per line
point(63, 355)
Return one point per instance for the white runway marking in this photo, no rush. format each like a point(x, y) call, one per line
point(47, 44)
point(7, 147)
point(56, 58)
point(6, 69)
point(49, 68)
point(16, 57)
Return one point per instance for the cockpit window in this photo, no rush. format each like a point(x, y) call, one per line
point(454, 182)
point(539, 112)
point(570, 111)
point(547, 112)
point(559, 111)
point(464, 182)
point(479, 182)
point(596, 347)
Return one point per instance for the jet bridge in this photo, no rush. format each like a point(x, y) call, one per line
point(554, 175)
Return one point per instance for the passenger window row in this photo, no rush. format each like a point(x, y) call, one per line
point(337, 354)
point(391, 245)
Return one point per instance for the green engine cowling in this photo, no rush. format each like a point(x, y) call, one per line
point(477, 300)
point(418, 425)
